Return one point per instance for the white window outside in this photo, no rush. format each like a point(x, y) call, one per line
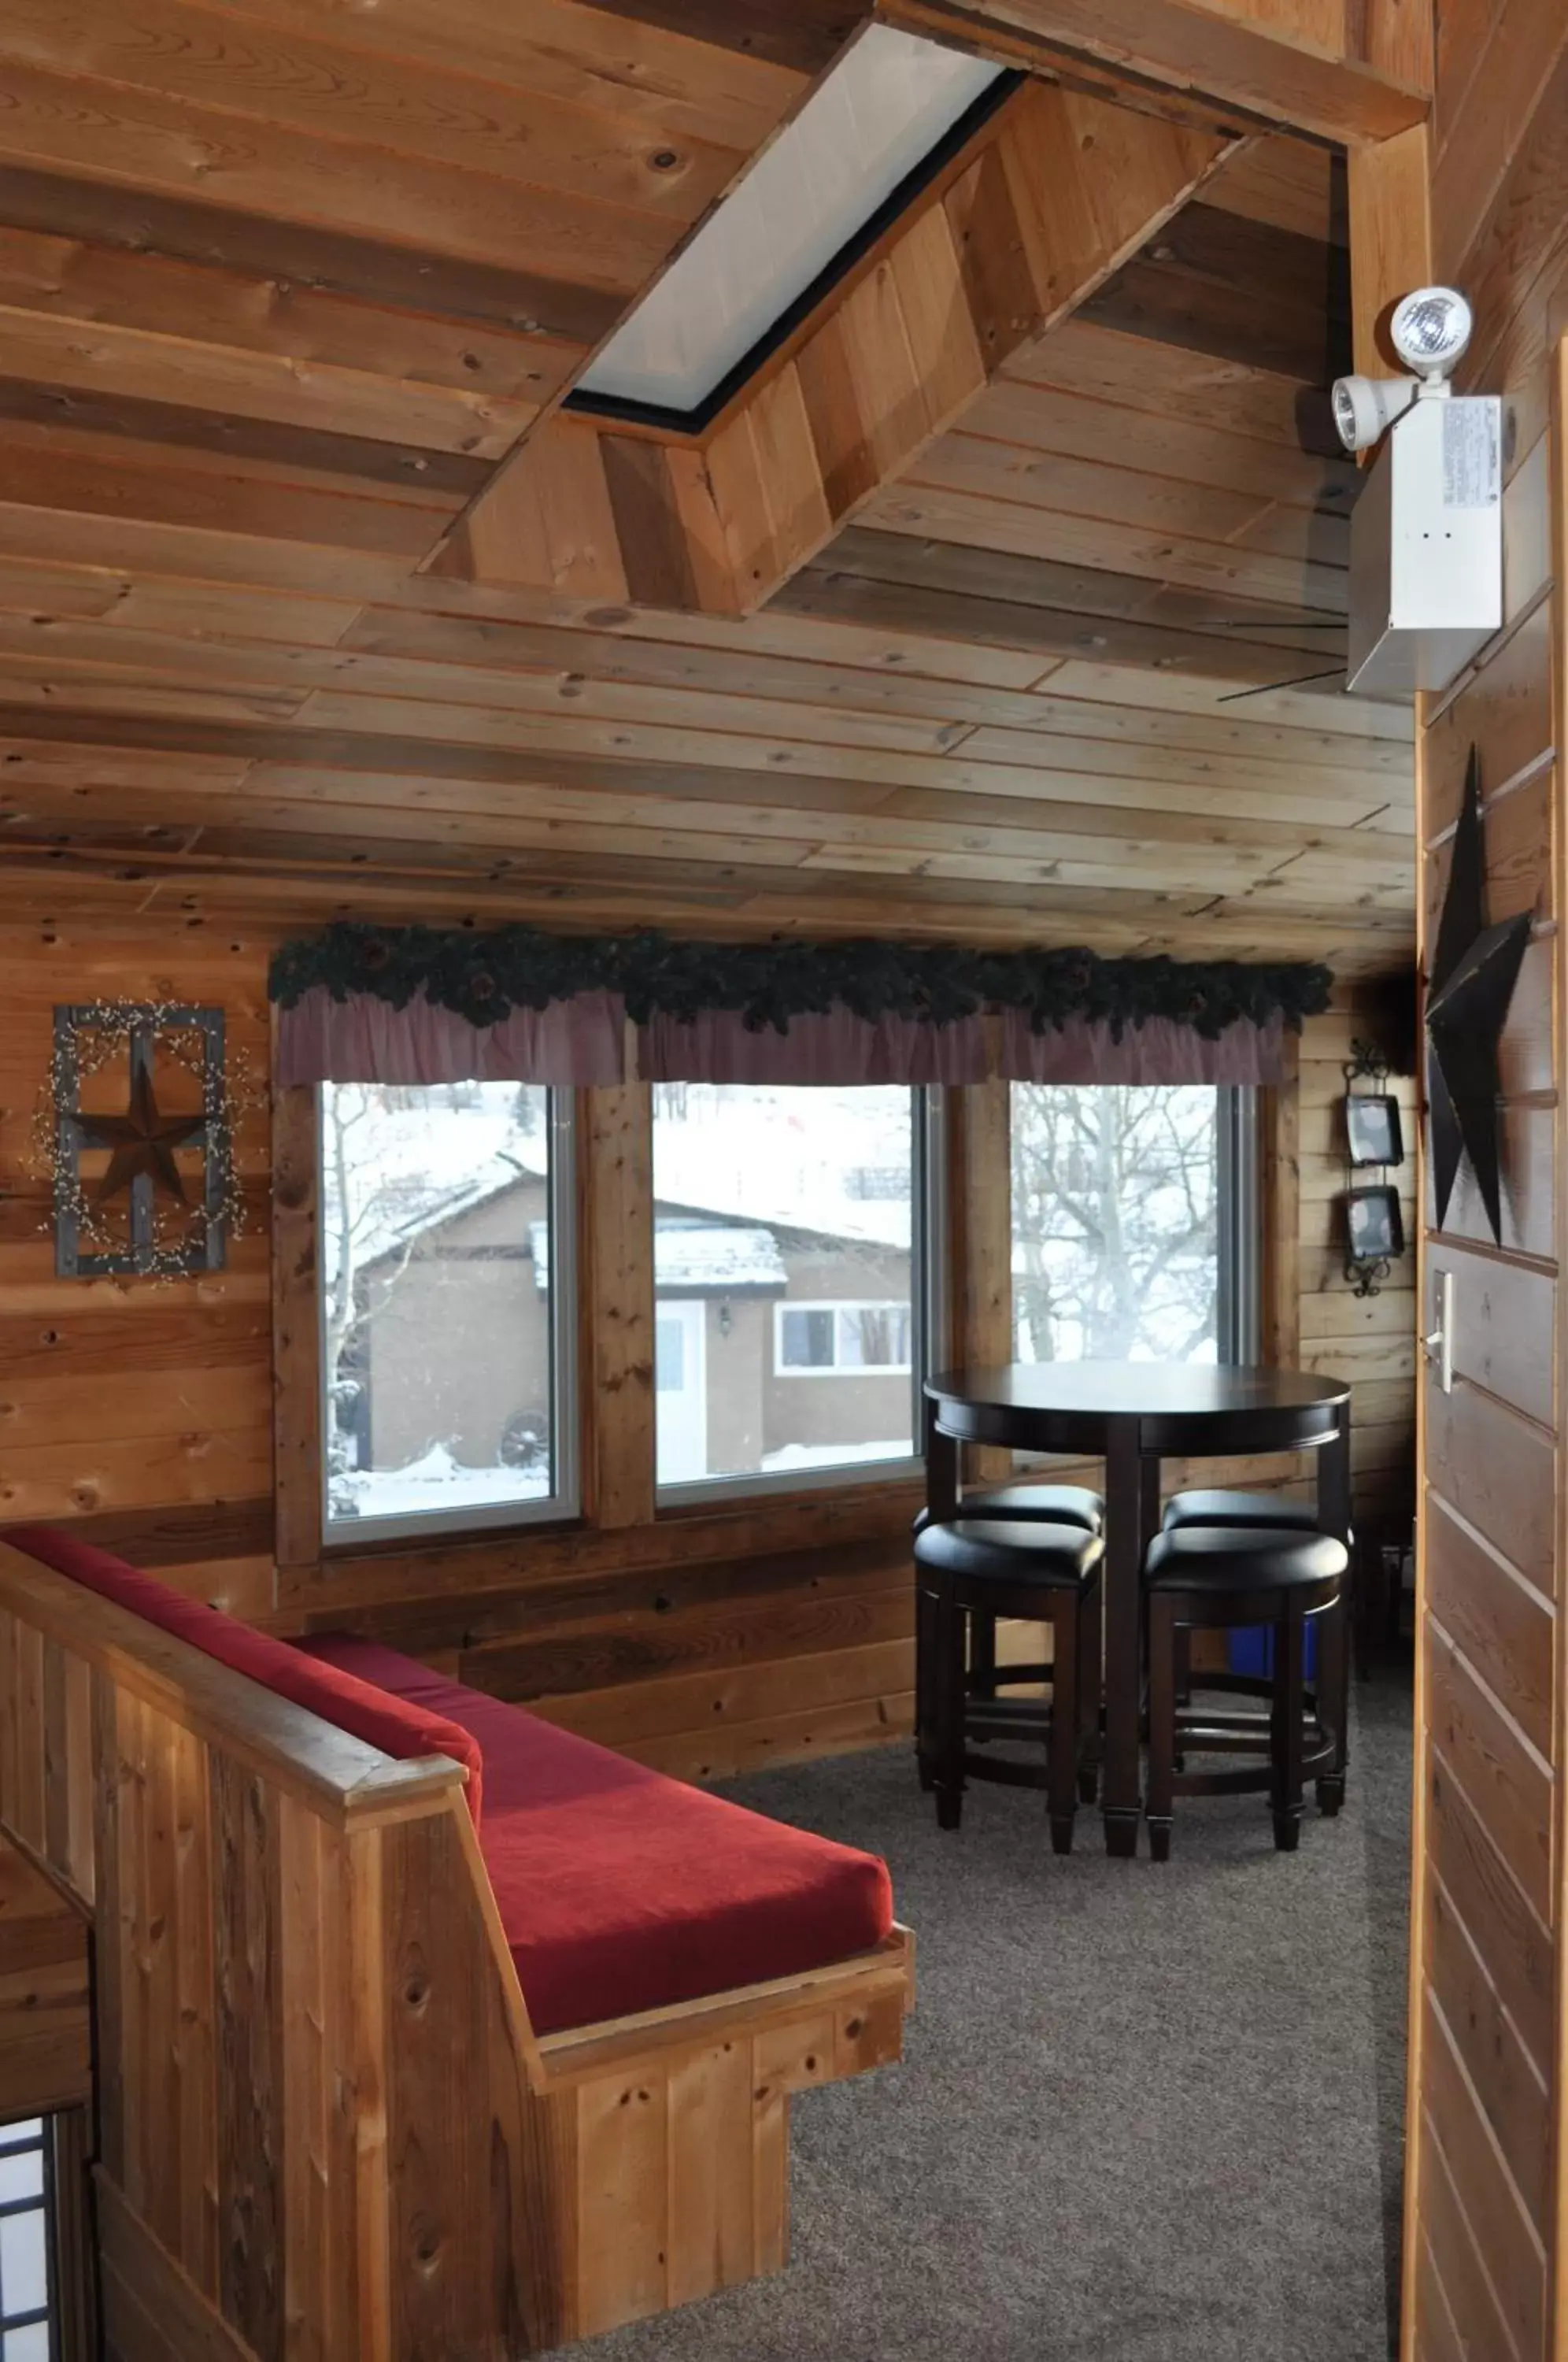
point(810, 1340)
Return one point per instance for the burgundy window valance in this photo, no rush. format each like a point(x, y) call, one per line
point(416, 1005)
point(590, 1040)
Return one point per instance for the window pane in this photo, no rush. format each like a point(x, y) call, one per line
point(24, 2239)
point(669, 1356)
point(24, 2262)
point(874, 1336)
point(782, 1228)
point(1115, 1231)
point(437, 1279)
point(806, 1338)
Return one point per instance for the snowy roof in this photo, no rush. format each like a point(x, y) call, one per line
point(428, 1167)
point(694, 1258)
point(788, 1157)
point(822, 1163)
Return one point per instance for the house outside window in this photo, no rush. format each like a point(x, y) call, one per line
point(448, 1307)
point(1134, 1223)
point(789, 1252)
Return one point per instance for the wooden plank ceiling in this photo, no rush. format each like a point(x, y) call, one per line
point(283, 283)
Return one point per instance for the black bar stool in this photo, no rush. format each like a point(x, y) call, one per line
point(1052, 1505)
point(967, 1574)
point(1215, 1578)
point(1254, 1510)
point(1261, 1512)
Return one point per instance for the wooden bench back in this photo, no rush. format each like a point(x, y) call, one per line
point(315, 2118)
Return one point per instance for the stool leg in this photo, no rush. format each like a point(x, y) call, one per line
point(982, 1654)
point(1090, 1674)
point(1333, 1699)
point(1286, 1732)
point(925, 1674)
point(1162, 1725)
point(1062, 1790)
point(1184, 1664)
point(948, 1700)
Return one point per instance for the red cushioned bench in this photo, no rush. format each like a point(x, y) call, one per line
point(620, 1890)
point(446, 2030)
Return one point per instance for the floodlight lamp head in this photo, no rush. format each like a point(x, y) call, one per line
point(1431, 330)
point(1367, 407)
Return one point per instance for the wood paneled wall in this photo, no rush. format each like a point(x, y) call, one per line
point(706, 1642)
point(1485, 2183)
point(1369, 1340)
point(141, 1409)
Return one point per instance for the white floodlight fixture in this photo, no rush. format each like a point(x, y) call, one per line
point(1429, 330)
point(1425, 572)
point(890, 111)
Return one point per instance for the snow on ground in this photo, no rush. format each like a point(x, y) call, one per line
point(835, 1455)
point(432, 1483)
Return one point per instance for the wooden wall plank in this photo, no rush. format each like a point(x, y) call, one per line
point(1304, 67)
point(248, 1967)
point(1504, 2235)
point(1505, 2083)
point(1504, 1781)
point(1503, 1626)
point(1501, 1468)
point(616, 1129)
point(298, 1443)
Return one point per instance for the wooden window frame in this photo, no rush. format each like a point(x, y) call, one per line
point(620, 1520)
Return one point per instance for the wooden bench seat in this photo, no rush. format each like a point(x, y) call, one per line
point(328, 2125)
point(620, 1890)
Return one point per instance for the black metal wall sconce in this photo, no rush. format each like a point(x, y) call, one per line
point(1374, 1140)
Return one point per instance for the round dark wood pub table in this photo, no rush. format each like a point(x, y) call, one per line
point(1133, 1415)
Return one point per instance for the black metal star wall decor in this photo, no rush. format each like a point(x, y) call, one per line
point(142, 1214)
point(142, 1141)
point(1474, 971)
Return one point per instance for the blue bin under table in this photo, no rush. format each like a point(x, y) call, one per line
point(1251, 1650)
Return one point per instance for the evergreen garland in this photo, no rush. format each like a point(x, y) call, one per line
point(482, 977)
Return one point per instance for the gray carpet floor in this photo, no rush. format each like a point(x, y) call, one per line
point(1147, 2113)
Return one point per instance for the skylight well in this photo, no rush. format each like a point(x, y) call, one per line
point(881, 121)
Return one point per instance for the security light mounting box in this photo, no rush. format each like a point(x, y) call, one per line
point(1426, 578)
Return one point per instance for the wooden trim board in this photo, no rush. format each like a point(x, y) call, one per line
point(1054, 192)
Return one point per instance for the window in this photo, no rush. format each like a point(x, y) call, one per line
point(448, 1307)
point(848, 1337)
point(25, 2242)
point(789, 1318)
point(1134, 1223)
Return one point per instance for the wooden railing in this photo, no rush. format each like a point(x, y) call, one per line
point(326, 2129)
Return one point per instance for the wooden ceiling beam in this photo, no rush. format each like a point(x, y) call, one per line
point(1349, 70)
point(1054, 195)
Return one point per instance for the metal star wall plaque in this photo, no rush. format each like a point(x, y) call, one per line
point(141, 1140)
point(142, 1214)
point(1474, 971)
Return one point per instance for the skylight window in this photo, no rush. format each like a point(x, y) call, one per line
point(885, 116)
